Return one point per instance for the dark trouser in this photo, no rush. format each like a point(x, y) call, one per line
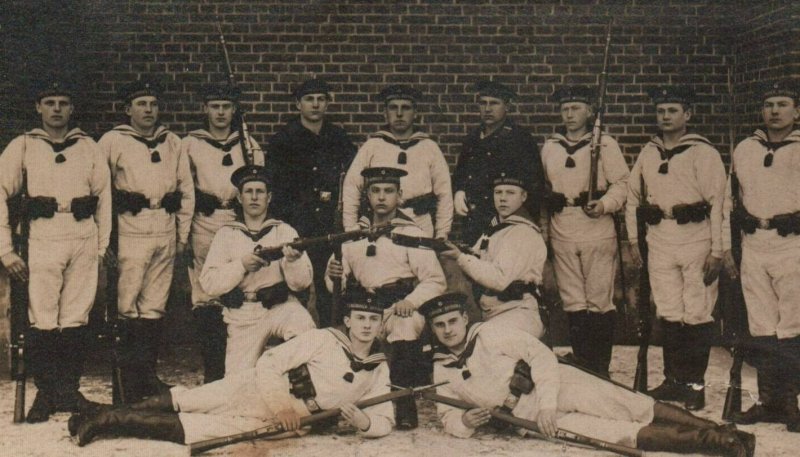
point(212, 334)
point(319, 257)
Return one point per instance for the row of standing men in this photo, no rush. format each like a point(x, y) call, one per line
point(175, 195)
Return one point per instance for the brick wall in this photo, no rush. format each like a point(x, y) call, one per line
point(441, 47)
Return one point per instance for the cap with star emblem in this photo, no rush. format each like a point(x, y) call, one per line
point(222, 91)
point(494, 89)
point(784, 88)
point(443, 304)
point(401, 92)
point(54, 86)
point(511, 176)
point(672, 94)
point(567, 94)
point(313, 86)
point(141, 88)
point(357, 299)
point(249, 173)
point(377, 175)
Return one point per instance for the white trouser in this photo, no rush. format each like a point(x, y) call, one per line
point(585, 272)
point(250, 326)
point(145, 275)
point(62, 283)
point(590, 406)
point(520, 314)
point(676, 277)
point(201, 243)
point(771, 285)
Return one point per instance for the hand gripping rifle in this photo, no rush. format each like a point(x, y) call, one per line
point(562, 435)
point(273, 253)
point(19, 300)
point(732, 313)
point(244, 132)
point(644, 329)
point(276, 428)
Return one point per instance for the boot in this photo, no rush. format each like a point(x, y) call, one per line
point(41, 354)
point(150, 335)
point(690, 440)
point(161, 402)
point(789, 374)
point(601, 340)
point(696, 343)
point(401, 374)
point(669, 390)
point(130, 361)
point(764, 350)
point(665, 413)
point(156, 425)
point(212, 334)
point(579, 337)
point(73, 346)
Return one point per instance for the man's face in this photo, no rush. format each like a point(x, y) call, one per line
point(254, 198)
point(575, 116)
point(312, 107)
point(220, 113)
point(493, 110)
point(508, 198)
point(383, 197)
point(780, 113)
point(363, 326)
point(55, 111)
point(400, 116)
point(143, 112)
point(451, 328)
point(672, 117)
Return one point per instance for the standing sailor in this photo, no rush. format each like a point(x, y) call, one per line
point(684, 181)
point(65, 177)
point(214, 153)
point(154, 201)
point(582, 232)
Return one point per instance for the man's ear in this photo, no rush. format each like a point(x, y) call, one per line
point(346, 321)
point(524, 196)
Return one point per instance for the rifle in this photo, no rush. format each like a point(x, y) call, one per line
point(112, 318)
point(644, 329)
point(336, 294)
point(276, 428)
point(244, 132)
point(273, 253)
point(562, 435)
point(594, 163)
point(435, 244)
point(18, 315)
point(732, 313)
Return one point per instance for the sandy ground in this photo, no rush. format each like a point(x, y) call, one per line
point(52, 439)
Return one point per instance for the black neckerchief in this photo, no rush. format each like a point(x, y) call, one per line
point(224, 147)
point(255, 236)
point(572, 149)
point(58, 148)
point(442, 353)
point(369, 363)
point(151, 144)
point(771, 147)
point(494, 228)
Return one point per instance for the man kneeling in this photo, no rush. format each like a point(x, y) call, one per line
point(320, 369)
point(497, 366)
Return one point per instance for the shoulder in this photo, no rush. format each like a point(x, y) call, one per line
point(608, 141)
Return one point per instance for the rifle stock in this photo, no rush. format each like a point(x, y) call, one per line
point(563, 435)
point(275, 428)
point(273, 253)
point(18, 315)
point(642, 299)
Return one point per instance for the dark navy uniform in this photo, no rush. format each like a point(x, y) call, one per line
point(306, 167)
point(510, 146)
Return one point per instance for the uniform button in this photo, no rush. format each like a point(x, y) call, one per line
point(316, 209)
point(488, 154)
point(314, 169)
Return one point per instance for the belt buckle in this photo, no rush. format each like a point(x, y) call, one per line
point(251, 296)
point(763, 224)
point(226, 204)
point(67, 208)
point(155, 203)
point(325, 196)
